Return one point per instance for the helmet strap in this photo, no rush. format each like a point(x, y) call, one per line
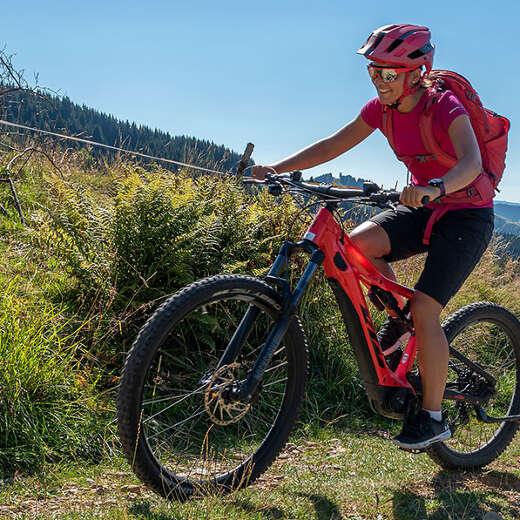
point(407, 91)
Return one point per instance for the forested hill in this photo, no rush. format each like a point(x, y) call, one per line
point(61, 114)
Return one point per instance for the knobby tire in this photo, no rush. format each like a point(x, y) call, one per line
point(489, 335)
point(181, 342)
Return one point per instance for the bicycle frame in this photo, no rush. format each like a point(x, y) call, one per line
point(346, 269)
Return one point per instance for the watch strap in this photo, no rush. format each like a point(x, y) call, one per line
point(438, 183)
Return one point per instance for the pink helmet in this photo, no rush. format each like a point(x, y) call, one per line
point(402, 44)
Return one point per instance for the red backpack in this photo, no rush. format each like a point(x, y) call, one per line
point(490, 130)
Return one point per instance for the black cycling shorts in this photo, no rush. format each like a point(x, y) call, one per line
point(458, 240)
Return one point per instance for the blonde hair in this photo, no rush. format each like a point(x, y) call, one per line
point(427, 81)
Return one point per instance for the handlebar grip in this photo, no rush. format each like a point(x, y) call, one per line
point(250, 180)
point(244, 161)
point(425, 200)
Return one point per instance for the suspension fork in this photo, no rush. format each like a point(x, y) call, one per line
point(290, 307)
point(247, 389)
point(244, 328)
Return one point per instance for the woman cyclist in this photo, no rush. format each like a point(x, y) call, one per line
point(401, 56)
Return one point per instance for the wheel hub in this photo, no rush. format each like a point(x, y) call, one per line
point(219, 403)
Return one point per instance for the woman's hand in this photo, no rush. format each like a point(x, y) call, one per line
point(412, 195)
point(259, 172)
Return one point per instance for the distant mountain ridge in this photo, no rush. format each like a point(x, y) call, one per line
point(507, 217)
point(343, 180)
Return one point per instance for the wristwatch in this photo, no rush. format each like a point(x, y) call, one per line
point(438, 183)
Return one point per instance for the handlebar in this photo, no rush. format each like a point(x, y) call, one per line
point(370, 193)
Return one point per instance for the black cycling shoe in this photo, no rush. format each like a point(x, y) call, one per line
point(421, 430)
point(391, 334)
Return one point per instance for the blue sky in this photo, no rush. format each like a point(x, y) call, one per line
point(280, 74)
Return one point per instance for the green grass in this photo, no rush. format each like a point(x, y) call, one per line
point(337, 474)
point(47, 400)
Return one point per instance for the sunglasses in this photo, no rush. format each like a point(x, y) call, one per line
point(386, 74)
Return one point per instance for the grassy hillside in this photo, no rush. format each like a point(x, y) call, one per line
point(331, 475)
point(102, 248)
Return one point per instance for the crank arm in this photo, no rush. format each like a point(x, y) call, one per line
point(454, 395)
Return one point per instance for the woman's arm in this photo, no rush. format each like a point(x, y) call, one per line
point(469, 163)
point(466, 170)
point(321, 151)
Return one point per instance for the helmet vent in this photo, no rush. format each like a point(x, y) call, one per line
point(388, 28)
point(375, 44)
point(425, 49)
point(399, 40)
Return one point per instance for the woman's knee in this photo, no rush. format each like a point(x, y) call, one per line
point(425, 309)
point(371, 239)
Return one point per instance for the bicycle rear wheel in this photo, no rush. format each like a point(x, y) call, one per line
point(179, 432)
point(489, 335)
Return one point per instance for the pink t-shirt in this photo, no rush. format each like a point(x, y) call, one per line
point(407, 137)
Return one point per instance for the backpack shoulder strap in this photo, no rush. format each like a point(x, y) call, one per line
point(388, 130)
point(388, 126)
point(435, 152)
point(426, 129)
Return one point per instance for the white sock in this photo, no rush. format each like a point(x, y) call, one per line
point(437, 415)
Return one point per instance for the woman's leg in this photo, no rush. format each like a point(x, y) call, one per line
point(373, 241)
point(433, 349)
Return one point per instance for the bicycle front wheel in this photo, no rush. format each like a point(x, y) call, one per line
point(488, 335)
point(179, 432)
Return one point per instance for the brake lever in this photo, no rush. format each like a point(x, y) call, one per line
point(378, 204)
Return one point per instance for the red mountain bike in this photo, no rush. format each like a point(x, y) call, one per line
point(214, 382)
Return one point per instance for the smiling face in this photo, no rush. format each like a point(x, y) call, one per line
point(390, 91)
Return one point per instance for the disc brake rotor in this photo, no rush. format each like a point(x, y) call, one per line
point(220, 408)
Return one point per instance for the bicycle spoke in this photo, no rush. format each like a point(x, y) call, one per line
point(283, 364)
point(177, 424)
point(275, 382)
point(185, 396)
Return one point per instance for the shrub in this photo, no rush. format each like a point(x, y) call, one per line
point(170, 230)
point(166, 231)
